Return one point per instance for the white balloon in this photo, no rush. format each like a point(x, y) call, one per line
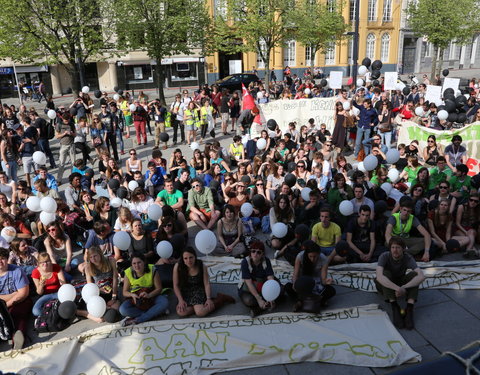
point(154, 212)
point(164, 249)
point(116, 97)
point(47, 217)
point(438, 102)
point(346, 208)
point(419, 111)
point(85, 89)
point(133, 107)
point(115, 202)
point(194, 146)
point(362, 70)
point(66, 292)
point(346, 106)
point(51, 114)
point(307, 91)
point(8, 234)
point(122, 240)
point(360, 82)
point(279, 230)
point(442, 115)
point(393, 175)
point(355, 111)
point(33, 204)
point(132, 185)
point(246, 209)
point(400, 85)
point(392, 156)
point(361, 167)
point(90, 290)
point(261, 143)
point(306, 194)
point(270, 290)
point(39, 158)
point(467, 96)
point(387, 187)
point(205, 241)
point(458, 93)
point(48, 204)
point(259, 95)
point(370, 162)
point(96, 306)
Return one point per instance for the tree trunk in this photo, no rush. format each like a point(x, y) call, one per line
point(312, 63)
point(434, 64)
point(74, 79)
point(440, 64)
point(160, 79)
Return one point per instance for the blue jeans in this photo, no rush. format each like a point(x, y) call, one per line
point(361, 133)
point(38, 307)
point(120, 139)
point(44, 146)
point(128, 309)
point(327, 250)
point(11, 171)
point(386, 138)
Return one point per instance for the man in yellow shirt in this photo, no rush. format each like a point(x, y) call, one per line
point(325, 233)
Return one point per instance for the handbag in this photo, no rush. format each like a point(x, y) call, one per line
point(348, 122)
point(97, 141)
point(142, 303)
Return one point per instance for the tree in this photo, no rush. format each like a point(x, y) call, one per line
point(318, 26)
point(442, 22)
point(161, 28)
point(63, 32)
point(260, 25)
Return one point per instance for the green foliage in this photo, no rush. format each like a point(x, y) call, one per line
point(444, 21)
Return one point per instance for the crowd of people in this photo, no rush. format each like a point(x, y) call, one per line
point(295, 186)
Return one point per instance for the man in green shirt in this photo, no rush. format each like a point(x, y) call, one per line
point(201, 205)
point(439, 173)
point(460, 183)
point(170, 196)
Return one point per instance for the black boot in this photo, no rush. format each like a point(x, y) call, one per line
point(397, 315)
point(409, 317)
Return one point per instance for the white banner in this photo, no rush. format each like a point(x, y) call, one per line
point(300, 111)
point(335, 78)
point(433, 94)
point(450, 83)
point(439, 275)
point(391, 79)
point(356, 336)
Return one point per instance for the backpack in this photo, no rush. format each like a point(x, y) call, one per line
point(50, 320)
point(7, 326)
point(50, 130)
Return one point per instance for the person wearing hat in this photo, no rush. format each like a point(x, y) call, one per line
point(393, 281)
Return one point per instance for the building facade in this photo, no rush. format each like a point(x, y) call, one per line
point(379, 31)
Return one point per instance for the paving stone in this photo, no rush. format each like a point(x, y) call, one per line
point(468, 299)
point(269, 370)
point(325, 368)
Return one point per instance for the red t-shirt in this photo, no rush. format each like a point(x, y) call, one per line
point(53, 283)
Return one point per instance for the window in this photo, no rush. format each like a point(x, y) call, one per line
point(353, 4)
point(330, 54)
point(372, 10)
point(387, 10)
point(220, 8)
point(138, 73)
point(260, 62)
point(370, 52)
point(350, 52)
point(428, 49)
point(309, 59)
point(385, 47)
point(331, 5)
point(289, 53)
point(452, 51)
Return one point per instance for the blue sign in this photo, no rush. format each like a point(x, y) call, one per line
point(6, 71)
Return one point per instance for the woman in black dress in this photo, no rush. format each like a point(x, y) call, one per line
point(340, 131)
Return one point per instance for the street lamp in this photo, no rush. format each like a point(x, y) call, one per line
point(355, 41)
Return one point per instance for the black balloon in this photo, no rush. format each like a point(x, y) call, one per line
point(302, 232)
point(112, 316)
point(450, 106)
point(452, 245)
point(67, 310)
point(462, 117)
point(376, 83)
point(178, 242)
point(246, 180)
point(291, 166)
point(453, 117)
point(406, 90)
point(376, 73)
point(120, 92)
point(164, 137)
point(122, 192)
point(380, 207)
point(73, 111)
point(461, 101)
point(367, 62)
point(433, 204)
point(445, 72)
point(449, 97)
point(449, 91)
point(214, 185)
point(304, 285)
point(98, 94)
point(377, 65)
point(290, 179)
point(115, 88)
point(258, 201)
point(441, 107)
point(271, 124)
point(323, 82)
point(114, 184)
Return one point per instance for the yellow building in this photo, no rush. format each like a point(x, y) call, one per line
point(379, 33)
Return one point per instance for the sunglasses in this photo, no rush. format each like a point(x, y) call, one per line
point(133, 153)
point(256, 251)
point(300, 166)
point(259, 184)
point(167, 225)
point(418, 189)
point(52, 230)
point(474, 200)
point(196, 185)
point(431, 141)
point(103, 106)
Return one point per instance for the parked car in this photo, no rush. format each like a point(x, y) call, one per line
point(234, 82)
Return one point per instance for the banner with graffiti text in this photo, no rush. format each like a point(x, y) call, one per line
point(300, 111)
point(357, 336)
point(439, 275)
point(470, 135)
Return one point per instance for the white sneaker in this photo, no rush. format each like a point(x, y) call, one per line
point(18, 340)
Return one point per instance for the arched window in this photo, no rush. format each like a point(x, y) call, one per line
point(385, 47)
point(370, 53)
